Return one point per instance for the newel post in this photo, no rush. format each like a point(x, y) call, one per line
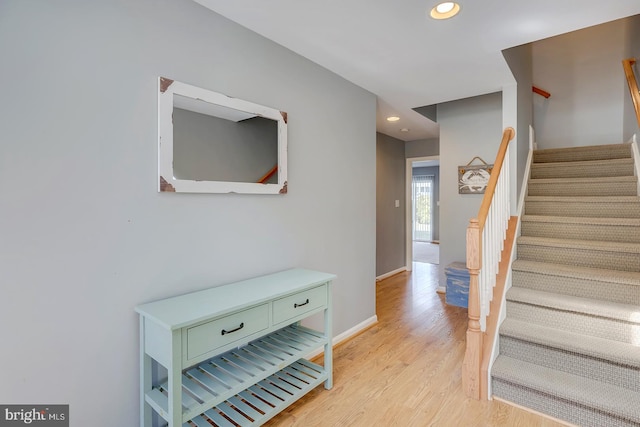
point(473, 354)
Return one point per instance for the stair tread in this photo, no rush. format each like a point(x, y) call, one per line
point(605, 397)
point(633, 222)
point(600, 180)
point(585, 273)
point(601, 348)
point(572, 154)
point(620, 161)
point(584, 199)
point(628, 313)
point(580, 244)
point(583, 148)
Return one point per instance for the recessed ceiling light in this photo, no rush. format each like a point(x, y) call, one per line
point(445, 7)
point(445, 10)
point(393, 118)
point(404, 130)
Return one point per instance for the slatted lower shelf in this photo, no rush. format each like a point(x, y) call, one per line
point(265, 399)
point(248, 385)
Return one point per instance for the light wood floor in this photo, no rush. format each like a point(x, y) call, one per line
point(405, 370)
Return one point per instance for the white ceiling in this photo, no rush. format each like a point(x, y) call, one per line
point(396, 51)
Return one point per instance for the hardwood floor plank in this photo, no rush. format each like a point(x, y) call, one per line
point(406, 369)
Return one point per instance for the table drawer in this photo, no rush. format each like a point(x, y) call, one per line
point(303, 302)
point(208, 336)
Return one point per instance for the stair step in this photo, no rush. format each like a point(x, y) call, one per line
point(599, 359)
point(555, 357)
point(576, 154)
point(585, 282)
point(586, 169)
point(599, 348)
point(611, 310)
point(562, 227)
point(584, 253)
point(604, 186)
point(584, 206)
point(565, 396)
point(602, 319)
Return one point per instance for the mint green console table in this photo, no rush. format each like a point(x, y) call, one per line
point(234, 352)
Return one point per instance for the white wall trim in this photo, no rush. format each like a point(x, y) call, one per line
point(409, 207)
point(348, 334)
point(391, 273)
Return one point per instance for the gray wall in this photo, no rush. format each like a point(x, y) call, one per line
point(85, 234)
point(422, 148)
point(632, 38)
point(390, 220)
point(468, 128)
point(520, 62)
point(435, 171)
point(582, 70)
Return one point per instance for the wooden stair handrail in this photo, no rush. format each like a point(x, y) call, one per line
point(632, 81)
point(540, 91)
point(268, 175)
point(473, 382)
point(507, 136)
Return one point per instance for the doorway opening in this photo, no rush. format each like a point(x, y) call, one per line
point(422, 197)
point(422, 210)
point(425, 248)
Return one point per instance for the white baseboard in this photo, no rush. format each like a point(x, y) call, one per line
point(349, 333)
point(634, 138)
point(391, 273)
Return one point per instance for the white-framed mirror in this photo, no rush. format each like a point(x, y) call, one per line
point(212, 143)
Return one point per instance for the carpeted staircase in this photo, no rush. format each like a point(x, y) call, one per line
point(570, 344)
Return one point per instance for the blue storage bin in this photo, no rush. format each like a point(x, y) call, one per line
point(457, 284)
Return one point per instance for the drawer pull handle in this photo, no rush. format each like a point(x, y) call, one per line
point(300, 305)
point(233, 330)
